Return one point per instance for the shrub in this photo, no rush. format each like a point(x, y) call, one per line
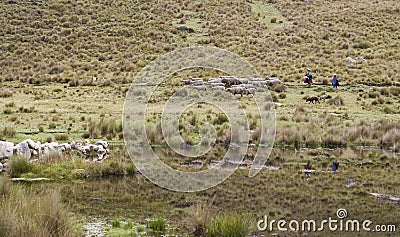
point(274, 97)
point(394, 90)
point(373, 94)
point(279, 88)
point(363, 45)
point(199, 217)
point(220, 119)
point(381, 100)
point(27, 213)
point(273, 20)
point(7, 111)
point(61, 137)
point(4, 93)
point(158, 224)
point(337, 100)
point(105, 82)
point(11, 104)
point(52, 125)
point(109, 128)
point(9, 131)
point(19, 165)
point(50, 139)
point(26, 110)
point(387, 110)
point(4, 186)
point(116, 223)
point(227, 225)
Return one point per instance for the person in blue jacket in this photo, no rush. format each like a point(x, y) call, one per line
point(335, 82)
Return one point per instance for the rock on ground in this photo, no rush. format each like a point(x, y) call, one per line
point(23, 150)
point(6, 150)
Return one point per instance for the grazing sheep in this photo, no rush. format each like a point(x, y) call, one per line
point(218, 88)
point(236, 90)
point(324, 97)
point(272, 81)
point(243, 80)
point(200, 88)
point(217, 84)
point(196, 79)
point(186, 82)
point(247, 86)
point(197, 83)
point(185, 28)
point(215, 80)
point(229, 80)
point(312, 99)
point(257, 79)
point(258, 83)
point(249, 91)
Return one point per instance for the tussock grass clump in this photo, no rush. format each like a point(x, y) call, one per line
point(19, 165)
point(5, 92)
point(61, 137)
point(337, 100)
point(227, 225)
point(392, 136)
point(159, 224)
point(373, 94)
point(301, 114)
point(220, 119)
point(7, 111)
point(52, 125)
point(108, 128)
point(9, 132)
point(26, 213)
point(199, 216)
point(394, 90)
point(279, 88)
point(11, 104)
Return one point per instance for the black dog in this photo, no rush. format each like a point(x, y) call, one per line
point(312, 99)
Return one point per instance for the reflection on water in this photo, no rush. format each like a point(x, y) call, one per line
point(137, 199)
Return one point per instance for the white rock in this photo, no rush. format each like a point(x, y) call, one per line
point(64, 147)
point(32, 144)
point(6, 150)
point(23, 150)
point(103, 143)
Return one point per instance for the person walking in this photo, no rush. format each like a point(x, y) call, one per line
point(335, 166)
point(307, 170)
point(335, 82)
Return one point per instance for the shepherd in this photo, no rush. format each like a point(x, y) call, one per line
point(308, 77)
point(335, 166)
point(307, 169)
point(335, 82)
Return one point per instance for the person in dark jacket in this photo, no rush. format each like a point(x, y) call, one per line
point(335, 166)
point(335, 82)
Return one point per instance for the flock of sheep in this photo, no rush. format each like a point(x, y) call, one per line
point(232, 84)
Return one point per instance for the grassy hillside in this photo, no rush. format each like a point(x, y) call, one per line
point(72, 41)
